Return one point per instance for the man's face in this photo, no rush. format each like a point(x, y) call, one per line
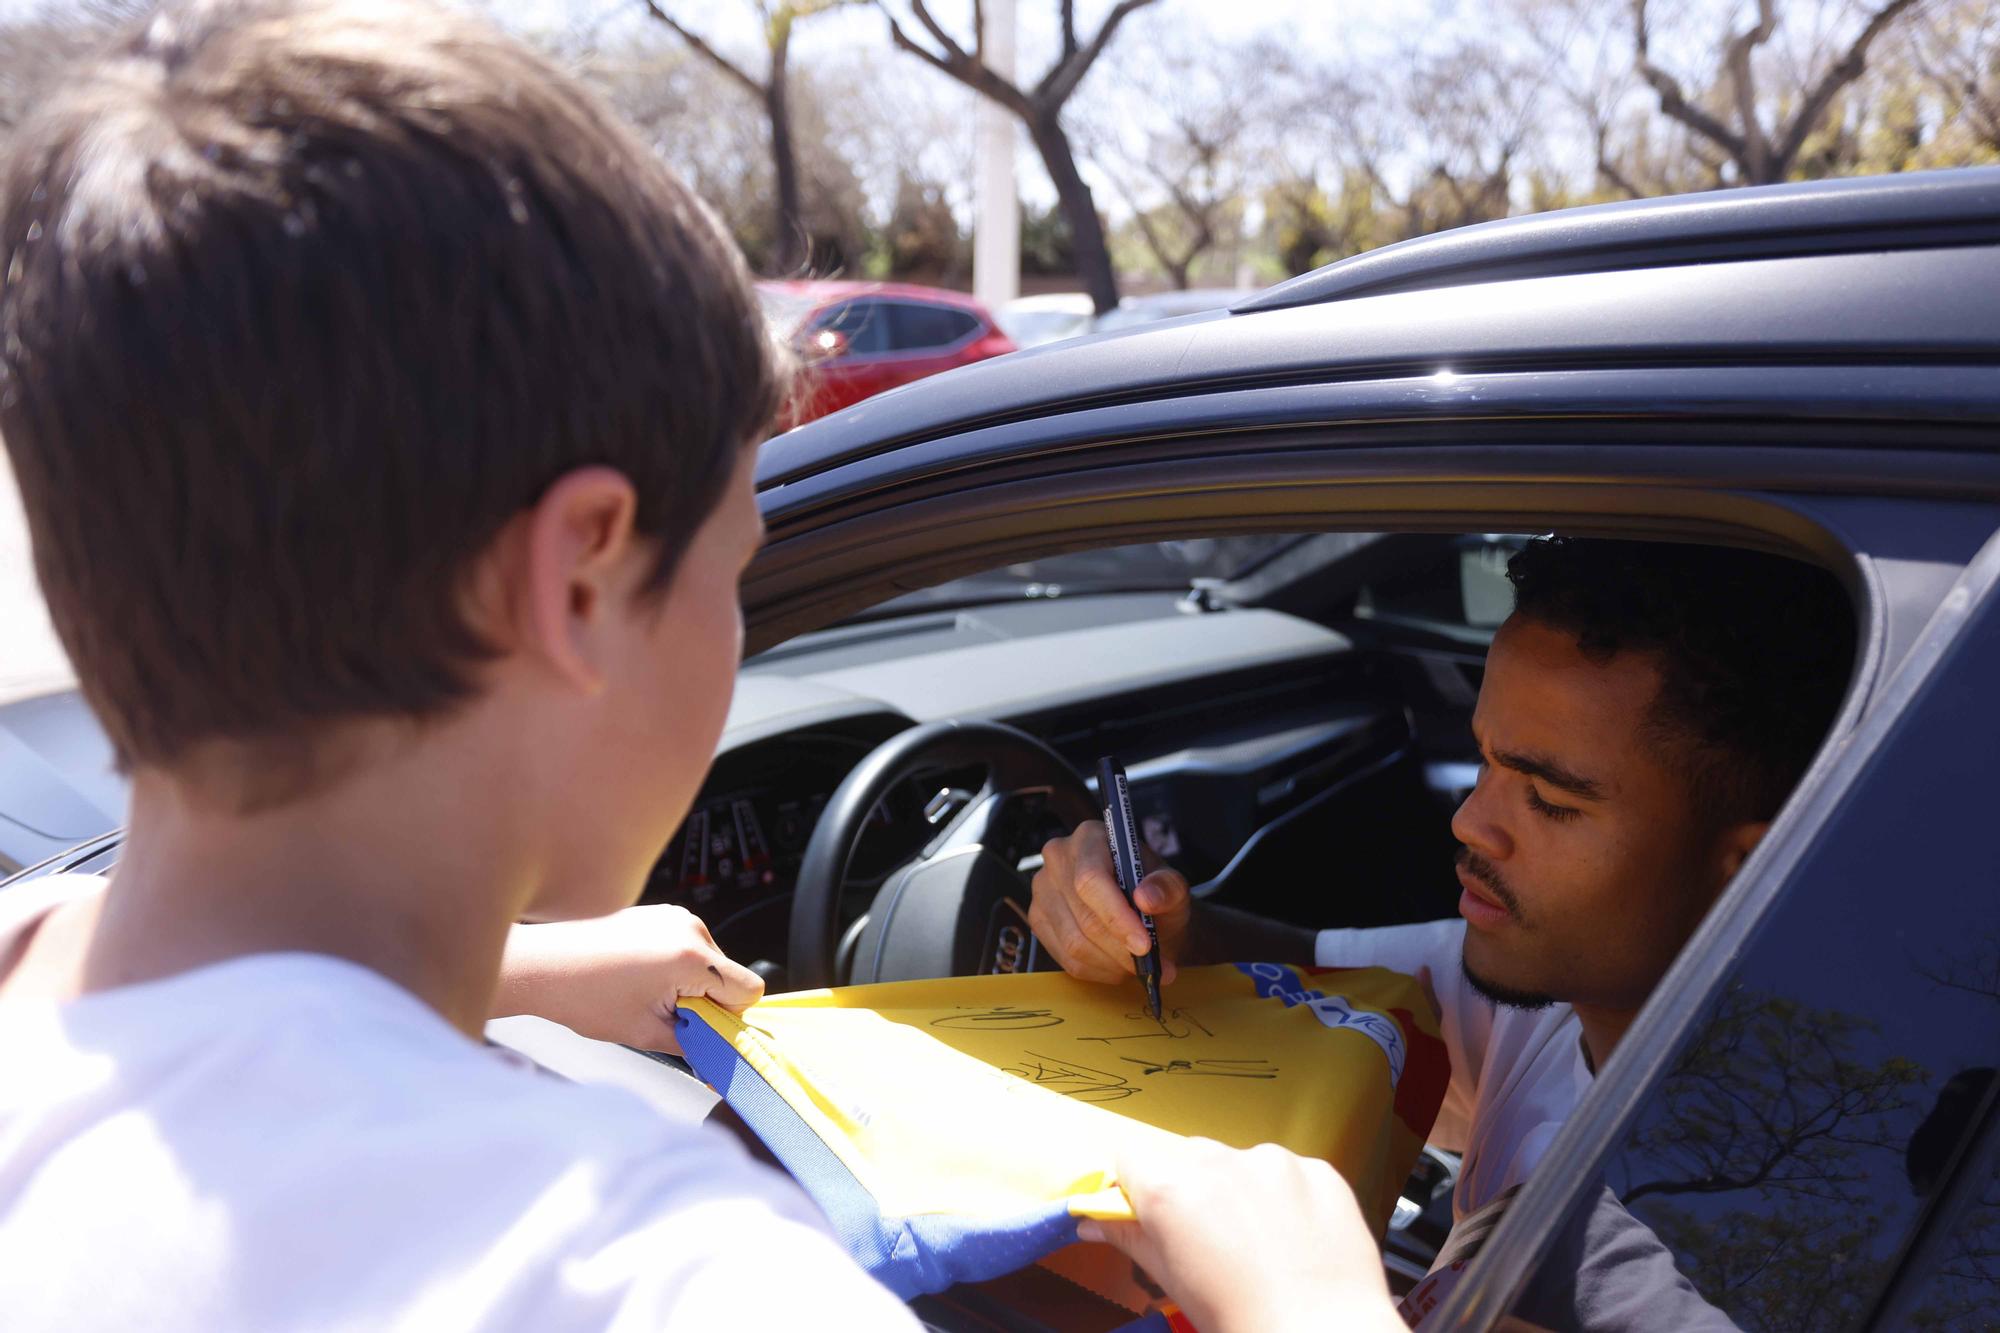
point(1585, 864)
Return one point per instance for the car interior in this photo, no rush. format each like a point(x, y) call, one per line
point(1292, 707)
point(1293, 710)
point(1251, 754)
point(1258, 558)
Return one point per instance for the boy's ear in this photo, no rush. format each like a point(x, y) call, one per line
point(569, 564)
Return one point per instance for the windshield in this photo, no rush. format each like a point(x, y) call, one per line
point(1165, 566)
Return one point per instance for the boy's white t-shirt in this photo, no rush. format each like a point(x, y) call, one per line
point(291, 1141)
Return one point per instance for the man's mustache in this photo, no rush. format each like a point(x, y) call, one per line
point(1477, 866)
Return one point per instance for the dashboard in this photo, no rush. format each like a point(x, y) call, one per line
point(743, 845)
point(1235, 726)
point(723, 851)
point(735, 859)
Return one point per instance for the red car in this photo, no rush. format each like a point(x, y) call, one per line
point(859, 338)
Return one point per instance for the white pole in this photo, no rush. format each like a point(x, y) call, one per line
point(996, 228)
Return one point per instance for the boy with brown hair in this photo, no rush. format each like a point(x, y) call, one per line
point(384, 415)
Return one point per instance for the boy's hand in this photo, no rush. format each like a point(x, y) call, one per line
point(620, 977)
point(1261, 1241)
point(1081, 917)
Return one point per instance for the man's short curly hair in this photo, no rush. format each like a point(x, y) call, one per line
point(1754, 652)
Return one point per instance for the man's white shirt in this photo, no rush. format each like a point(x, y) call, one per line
point(290, 1141)
point(1516, 1074)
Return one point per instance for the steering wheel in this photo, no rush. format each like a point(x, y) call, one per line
point(941, 914)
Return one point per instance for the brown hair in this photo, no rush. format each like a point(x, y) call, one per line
point(305, 300)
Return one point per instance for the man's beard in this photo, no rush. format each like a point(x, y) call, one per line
point(1477, 866)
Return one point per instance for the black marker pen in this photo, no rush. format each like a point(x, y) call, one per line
point(1123, 831)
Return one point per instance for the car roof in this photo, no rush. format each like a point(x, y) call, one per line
point(1873, 271)
point(1910, 211)
point(822, 291)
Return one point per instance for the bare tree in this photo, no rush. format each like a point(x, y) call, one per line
point(922, 240)
point(1584, 51)
point(778, 17)
point(1184, 173)
point(1762, 1160)
point(1958, 52)
point(1307, 224)
point(1320, 124)
point(901, 137)
point(1453, 131)
point(670, 96)
point(1758, 154)
point(1182, 230)
point(1775, 1097)
point(1039, 106)
point(1583, 69)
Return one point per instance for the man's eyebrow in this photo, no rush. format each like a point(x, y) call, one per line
point(1549, 771)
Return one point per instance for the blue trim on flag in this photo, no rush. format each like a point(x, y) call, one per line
point(909, 1255)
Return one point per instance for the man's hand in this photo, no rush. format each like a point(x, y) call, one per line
point(1261, 1241)
point(1081, 916)
point(620, 977)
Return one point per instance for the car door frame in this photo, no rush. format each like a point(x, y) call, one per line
point(845, 527)
point(1843, 504)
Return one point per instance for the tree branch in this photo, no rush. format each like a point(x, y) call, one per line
point(917, 49)
point(1986, 992)
point(1067, 73)
point(956, 61)
point(1450, 183)
point(1955, 65)
point(1838, 75)
point(953, 51)
point(1608, 169)
point(1373, 172)
point(1148, 232)
point(1673, 100)
point(754, 87)
point(1711, 160)
point(1743, 84)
